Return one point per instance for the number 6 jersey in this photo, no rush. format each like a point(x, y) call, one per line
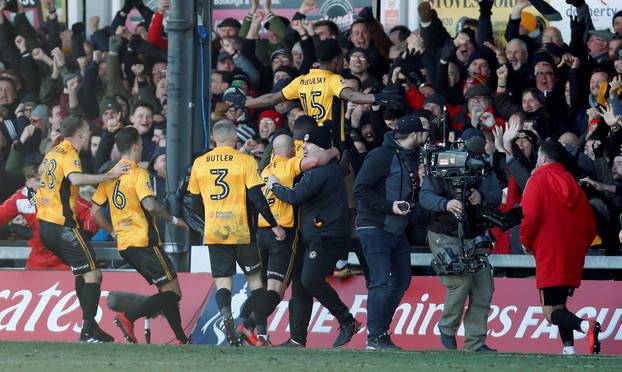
point(222, 177)
point(134, 226)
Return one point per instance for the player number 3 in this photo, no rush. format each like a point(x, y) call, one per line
point(220, 182)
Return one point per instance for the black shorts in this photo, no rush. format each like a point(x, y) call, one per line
point(277, 257)
point(223, 258)
point(552, 296)
point(152, 263)
point(69, 245)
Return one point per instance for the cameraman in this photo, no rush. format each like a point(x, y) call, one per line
point(440, 197)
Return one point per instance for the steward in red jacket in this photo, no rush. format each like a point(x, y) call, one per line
point(558, 227)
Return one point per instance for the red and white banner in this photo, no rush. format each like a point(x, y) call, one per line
point(515, 322)
point(42, 305)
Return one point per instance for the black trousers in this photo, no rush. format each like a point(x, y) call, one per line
point(311, 267)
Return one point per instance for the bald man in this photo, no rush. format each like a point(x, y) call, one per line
point(277, 255)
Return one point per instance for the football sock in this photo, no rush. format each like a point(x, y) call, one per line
point(149, 307)
point(172, 315)
point(223, 300)
point(257, 301)
point(79, 286)
point(89, 303)
point(246, 314)
point(272, 301)
point(567, 336)
point(565, 319)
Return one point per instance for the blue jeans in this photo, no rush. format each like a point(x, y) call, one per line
point(388, 257)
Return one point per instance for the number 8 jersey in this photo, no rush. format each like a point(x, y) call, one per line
point(56, 198)
point(222, 177)
point(134, 226)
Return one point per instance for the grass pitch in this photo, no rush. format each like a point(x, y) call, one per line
point(56, 356)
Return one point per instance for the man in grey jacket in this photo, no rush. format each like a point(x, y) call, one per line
point(321, 195)
point(440, 197)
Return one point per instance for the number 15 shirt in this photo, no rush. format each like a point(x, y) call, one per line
point(319, 92)
point(222, 177)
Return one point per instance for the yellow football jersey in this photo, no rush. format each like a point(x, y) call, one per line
point(134, 226)
point(319, 91)
point(299, 151)
point(56, 198)
point(222, 177)
point(286, 171)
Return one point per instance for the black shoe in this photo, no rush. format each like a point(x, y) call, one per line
point(100, 334)
point(291, 343)
point(233, 337)
point(92, 337)
point(346, 332)
point(381, 342)
point(485, 349)
point(449, 342)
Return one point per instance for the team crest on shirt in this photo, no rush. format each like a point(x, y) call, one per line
point(306, 137)
point(76, 163)
point(312, 254)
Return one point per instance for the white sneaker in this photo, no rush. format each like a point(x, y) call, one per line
point(568, 350)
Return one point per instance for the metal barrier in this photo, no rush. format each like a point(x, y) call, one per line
point(514, 261)
point(18, 250)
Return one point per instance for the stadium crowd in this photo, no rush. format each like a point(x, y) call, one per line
point(514, 95)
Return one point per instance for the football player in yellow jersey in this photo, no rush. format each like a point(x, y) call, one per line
point(226, 179)
point(133, 209)
point(61, 174)
point(320, 92)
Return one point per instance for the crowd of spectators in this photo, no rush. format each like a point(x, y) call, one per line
point(535, 86)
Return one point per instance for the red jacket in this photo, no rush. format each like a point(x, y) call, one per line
point(558, 225)
point(40, 257)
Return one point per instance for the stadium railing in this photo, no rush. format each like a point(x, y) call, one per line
point(105, 251)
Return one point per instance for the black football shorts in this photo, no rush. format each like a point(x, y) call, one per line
point(223, 258)
point(151, 262)
point(277, 256)
point(69, 245)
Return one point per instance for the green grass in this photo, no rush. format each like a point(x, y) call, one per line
point(55, 356)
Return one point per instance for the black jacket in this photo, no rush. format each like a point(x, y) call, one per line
point(436, 193)
point(321, 193)
point(383, 179)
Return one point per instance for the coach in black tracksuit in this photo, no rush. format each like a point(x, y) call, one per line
point(321, 195)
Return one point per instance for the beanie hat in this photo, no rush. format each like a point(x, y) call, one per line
point(319, 136)
point(273, 115)
point(109, 103)
point(478, 55)
point(436, 99)
point(542, 56)
point(244, 132)
point(41, 112)
point(159, 151)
